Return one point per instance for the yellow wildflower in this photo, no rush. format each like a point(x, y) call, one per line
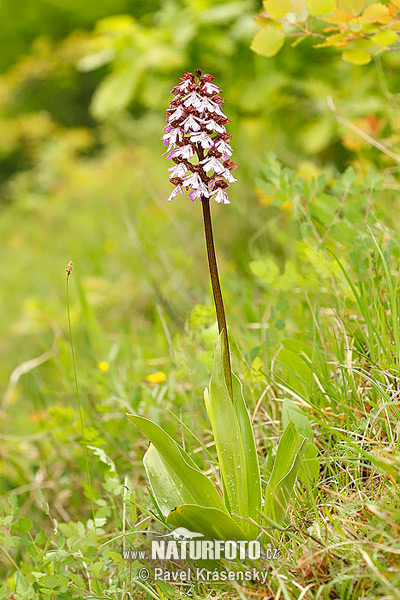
point(157, 377)
point(103, 366)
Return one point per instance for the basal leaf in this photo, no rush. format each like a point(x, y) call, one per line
point(292, 412)
point(211, 522)
point(250, 450)
point(309, 468)
point(284, 474)
point(228, 441)
point(173, 476)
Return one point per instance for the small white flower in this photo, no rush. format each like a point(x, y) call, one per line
point(203, 188)
point(176, 114)
point(173, 135)
point(211, 88)
point(178, 170)
point(212, 163)
point(168, 151)
point(218, 110)
point(212, 106)
point(175, 192)
point(184, 85)
point(205, 104)
point(202, 138)
point(199, 193)
point(191, 122)
point(214, 126)
point(194, 195)
point(228, 176)
point(193, 181)
point(221, 196)
point(193, 99)
point(184, 151)
point(224, 148)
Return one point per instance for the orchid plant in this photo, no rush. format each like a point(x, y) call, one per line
point(198, 145)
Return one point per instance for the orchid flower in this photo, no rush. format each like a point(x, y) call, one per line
point(197, 140)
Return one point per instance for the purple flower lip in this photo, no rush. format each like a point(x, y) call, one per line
point(197, 141)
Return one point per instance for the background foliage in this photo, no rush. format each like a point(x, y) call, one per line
point(311, 298)
point(360, 29)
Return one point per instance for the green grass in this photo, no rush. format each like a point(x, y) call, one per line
point(309, 272)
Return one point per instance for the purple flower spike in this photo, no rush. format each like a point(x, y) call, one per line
point(197, 140)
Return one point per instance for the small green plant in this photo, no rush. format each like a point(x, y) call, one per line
point(198, 144)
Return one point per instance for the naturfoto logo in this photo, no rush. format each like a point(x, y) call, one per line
point(182, 544)
point(186, 544)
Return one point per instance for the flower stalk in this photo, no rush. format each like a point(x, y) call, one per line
point(216, 288)
point(198, 145)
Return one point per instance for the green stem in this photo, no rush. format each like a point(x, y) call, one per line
point(216, 288)
point(80, 409)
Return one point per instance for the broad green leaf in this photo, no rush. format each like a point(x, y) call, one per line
point(320, 7)
point(211, 522)
point(268, 41)
point(277, 8)
point(228, 441)
point(291, 412)
point(357, 56)
point(384, 38)
point(309, 468)
point(172, 474)
point(353, 6)
point(283, 478)
point(167, 490)
point(250, 450)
